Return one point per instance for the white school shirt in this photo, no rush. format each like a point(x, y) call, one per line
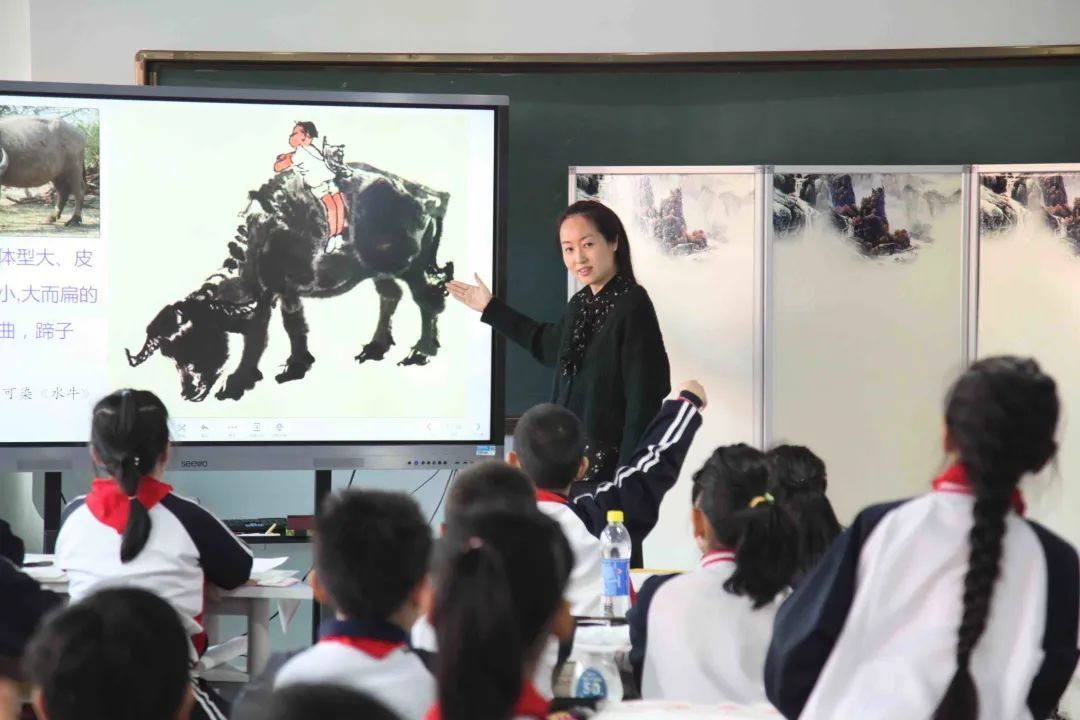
point(705, 644)
point(585, 585)
point(390, 672)
point(188, 547)
point(876, 622)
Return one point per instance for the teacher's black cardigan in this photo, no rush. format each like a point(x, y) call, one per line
point(623, 379)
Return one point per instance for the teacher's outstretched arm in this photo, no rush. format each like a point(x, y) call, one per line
point(539, 338)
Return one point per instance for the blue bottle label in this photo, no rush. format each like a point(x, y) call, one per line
point(616, 576)
point(590, 684)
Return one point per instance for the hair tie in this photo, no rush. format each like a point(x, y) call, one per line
point(766, 498)
point(474, 543)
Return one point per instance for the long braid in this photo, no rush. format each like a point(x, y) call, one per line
point(984, 566)
point(1001, 418)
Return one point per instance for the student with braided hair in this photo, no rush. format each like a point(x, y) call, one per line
point(951, 605)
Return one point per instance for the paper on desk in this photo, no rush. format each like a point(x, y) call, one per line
point(275, 578)
point(222, 653)
point(50, 573)
point(286, 610)
point(37, 557)
point(261, 565)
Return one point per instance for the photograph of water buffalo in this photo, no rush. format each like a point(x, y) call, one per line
point(882, 214)
point(318, 226)
point(49, 171)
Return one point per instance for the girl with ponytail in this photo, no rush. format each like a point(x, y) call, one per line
point(950, 606)
point(798, 481)
point(132, 530)
point(703, 635)
point(500, 577)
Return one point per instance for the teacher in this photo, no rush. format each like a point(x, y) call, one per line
point(611, 368)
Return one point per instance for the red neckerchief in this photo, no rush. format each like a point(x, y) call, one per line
point(377, 649)
point(109, 504)
point(954, 480)
point(530, 704)
point(549, 496)
point(716, 557)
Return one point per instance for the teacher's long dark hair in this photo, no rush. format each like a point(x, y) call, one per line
point(500, 578)
point(610, 226)
point(129, 434)
point(1000, 418)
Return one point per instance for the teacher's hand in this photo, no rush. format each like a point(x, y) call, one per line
point(476, 296)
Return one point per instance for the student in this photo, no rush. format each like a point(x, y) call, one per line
point(11, 545)
point(24, 603)
point(500, 578)
point(488, 486)
point(321, 702)
point(131, 529)
point(119, 654)
point(797, 480)
point(371, 558)
point(23, 600)
point(549, 445)
point(950, 605)
point(703, 635)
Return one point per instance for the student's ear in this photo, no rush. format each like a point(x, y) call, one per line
point(946, 441)
point(163, 461)
point(186, 705)
point(513, 460)
point(700, 525)
point(37, 700)
point(583, 467)
point(422, 597)
point(321, 596)
point(95, 460)
point(562, 625)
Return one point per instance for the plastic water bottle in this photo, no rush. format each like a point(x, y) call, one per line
point(615, 566)
point(596, 676)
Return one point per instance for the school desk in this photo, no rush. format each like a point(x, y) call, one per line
point(252, 602)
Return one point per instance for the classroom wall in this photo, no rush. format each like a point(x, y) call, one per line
point(79, 41)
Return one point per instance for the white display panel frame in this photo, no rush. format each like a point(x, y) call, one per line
point(850, 494)
point(1052, 496)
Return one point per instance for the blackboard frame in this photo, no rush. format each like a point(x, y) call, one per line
point(148, 62)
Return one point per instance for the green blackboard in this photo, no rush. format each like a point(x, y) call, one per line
point(952, 114)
